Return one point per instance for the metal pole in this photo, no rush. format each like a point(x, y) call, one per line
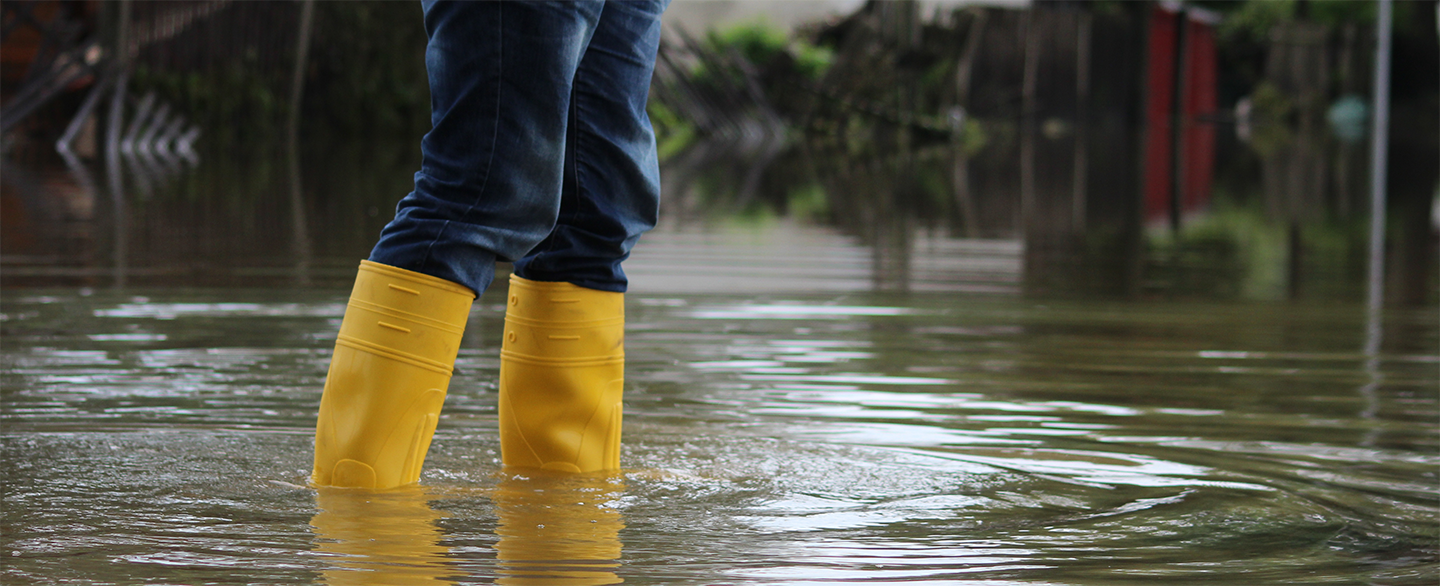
point(116, 119)
point(113, 170)
point(1379, 143)
point(299, 230)
point(1375, 299)
point(297, 80)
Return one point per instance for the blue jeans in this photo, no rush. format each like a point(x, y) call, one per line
point(541, 151)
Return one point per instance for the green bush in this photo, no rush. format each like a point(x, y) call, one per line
point(760, 42)
point(1255, 18)
point(218, 99)
point(367, 69)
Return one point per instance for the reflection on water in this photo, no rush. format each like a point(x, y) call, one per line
point(807, 216)
point(844, 365)
point(379, 538)
point(165, 436)
point(558, 529)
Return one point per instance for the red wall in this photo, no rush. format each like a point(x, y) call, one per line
point(1198, 106)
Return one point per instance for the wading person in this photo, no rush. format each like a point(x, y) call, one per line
point(541, 153)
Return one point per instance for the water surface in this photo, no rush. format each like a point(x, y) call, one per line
point(163, 436)
point(840, 370)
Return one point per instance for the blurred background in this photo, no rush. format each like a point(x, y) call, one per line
point(991, 147)
point(1001, 293)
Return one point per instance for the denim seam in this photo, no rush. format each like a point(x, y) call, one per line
point(579, 130)
point(576, 93)
point(494, 135)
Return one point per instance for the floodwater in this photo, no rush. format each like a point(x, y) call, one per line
point(164, 436)
point(867, 386)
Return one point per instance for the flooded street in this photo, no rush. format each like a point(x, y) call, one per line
point(842, 368)
point(164, 436)
point(1065, 293)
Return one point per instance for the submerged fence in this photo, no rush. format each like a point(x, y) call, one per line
point(141, 82)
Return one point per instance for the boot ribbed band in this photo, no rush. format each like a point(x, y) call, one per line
point(393, 360)
point(562, 370)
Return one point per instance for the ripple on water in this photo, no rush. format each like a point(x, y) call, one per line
point(840, 439)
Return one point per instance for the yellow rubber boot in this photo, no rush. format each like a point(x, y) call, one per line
point(388, 377)
point(562, 369)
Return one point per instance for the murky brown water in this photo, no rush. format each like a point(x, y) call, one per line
point(839, 371)
point(163, 436)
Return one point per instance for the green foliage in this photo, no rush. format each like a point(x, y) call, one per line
point(760, 42)
point(217, 100)
point(1230, 253)
point(973, 137)
point(808, 202)
point(1236, 250)
point(1253, 19)
point(366, 76)
point(673, 134)
point(812, 60)
point(1272, 113)
point(1243, 246)
point(939, 75)
point(1108, 7)
point(367, 69)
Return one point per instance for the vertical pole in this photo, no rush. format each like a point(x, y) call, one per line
point(114, 121)
point(1080, 175)
point(1380, 137)
point(299, 230)
point(1029, 109)
point(1379, 144)
point(1177, 120)
point(964, 72)
point(302, 54)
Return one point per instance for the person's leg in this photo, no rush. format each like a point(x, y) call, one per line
point(611, 191)
point(563, 360)
point(489, 186)
point(500, 87)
